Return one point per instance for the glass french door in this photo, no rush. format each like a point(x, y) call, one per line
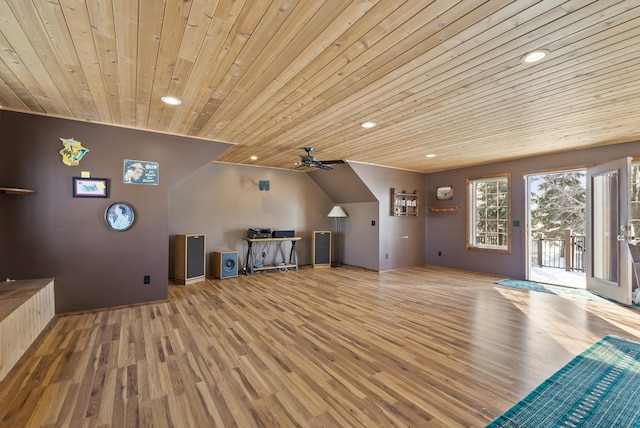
point(609, 229)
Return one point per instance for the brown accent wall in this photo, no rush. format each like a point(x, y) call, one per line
point(52, 234)
point(446, 231)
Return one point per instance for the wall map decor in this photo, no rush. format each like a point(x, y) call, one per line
point(140, 172)
point(73, 152)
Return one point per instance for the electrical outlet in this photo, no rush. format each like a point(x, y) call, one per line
point(386, 256)
point(439, 253)
point(147, 279)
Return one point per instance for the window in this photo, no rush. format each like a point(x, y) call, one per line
point(489, 214)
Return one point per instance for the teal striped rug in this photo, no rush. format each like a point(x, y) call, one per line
point(575, 293)
point(598, 388)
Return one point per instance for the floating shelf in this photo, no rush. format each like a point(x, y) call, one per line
point(16, 191)
point(444, 209)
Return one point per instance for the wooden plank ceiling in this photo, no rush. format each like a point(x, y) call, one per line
point(442, 77)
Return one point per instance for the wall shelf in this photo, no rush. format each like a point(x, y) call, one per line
point(16, 191)
point(442, 209)
point(404, 204)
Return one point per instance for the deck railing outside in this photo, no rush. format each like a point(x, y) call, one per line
point(566, 253)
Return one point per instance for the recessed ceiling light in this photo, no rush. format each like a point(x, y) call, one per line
point(171, 100)
point(254, 157)
point(430, 155)
point(534, 56)
point(367, 125)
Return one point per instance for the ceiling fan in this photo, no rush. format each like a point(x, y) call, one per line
point(311, 161)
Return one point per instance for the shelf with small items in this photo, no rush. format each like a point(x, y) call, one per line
point(451, 208)
point(404, 204)
point(16, 191)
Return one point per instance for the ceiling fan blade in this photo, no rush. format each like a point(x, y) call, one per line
point(322, 166)
point(332, 162)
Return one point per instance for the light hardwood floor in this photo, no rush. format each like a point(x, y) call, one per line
point(339, 347)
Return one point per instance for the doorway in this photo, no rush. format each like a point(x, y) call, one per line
point(556, 207)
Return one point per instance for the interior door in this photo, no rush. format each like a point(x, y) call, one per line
point(608, 263)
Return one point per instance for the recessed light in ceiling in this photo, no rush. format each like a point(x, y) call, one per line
point(171, 100)
point(367, 125)
point(430, 155)
point(535, 56)
point(254, 157)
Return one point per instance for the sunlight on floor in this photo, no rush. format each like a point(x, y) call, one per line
point(558, 276)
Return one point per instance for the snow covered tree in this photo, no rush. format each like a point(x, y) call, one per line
point(559, 204)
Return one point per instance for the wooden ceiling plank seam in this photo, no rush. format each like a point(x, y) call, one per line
point(470, 126)
point(557, 91)
point(350, 108)
point(173, 26)
point(104, 37)
point(55, 25)
point(13, 93)
point(125, 13)
point(296, 69)
point(47, 63)
point(239, 41)
point(293, 79)
point(267, 27)
point(150, 16)
point(264, 70)
point(351, 36)
point(197, 87)
point(242, 27)
point(483, 122)
point(520, 133)
point(198, 26)
point(381, 90)
point(336, 92)
point(585, 101)
point(542, 79)
point(516, 119)
point(391, 138)
point(555, 141)
point(318, 84)
point(245, 61)
point(490, 131)
point(457, 108)
point(22, 57)
point(252, 49)
point(272, 82)
point(76, 17)
point(447, 149)
point(524, 133)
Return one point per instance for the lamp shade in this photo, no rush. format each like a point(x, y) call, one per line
point(337, 211)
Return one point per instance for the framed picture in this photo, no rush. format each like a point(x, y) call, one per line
point(90, 187)
point(119, 216)
point(444, 193)
point(140, 172)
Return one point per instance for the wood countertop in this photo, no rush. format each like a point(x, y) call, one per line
point(15, 293)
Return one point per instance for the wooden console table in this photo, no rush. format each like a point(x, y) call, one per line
point(249, 261)
point(26, 308)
